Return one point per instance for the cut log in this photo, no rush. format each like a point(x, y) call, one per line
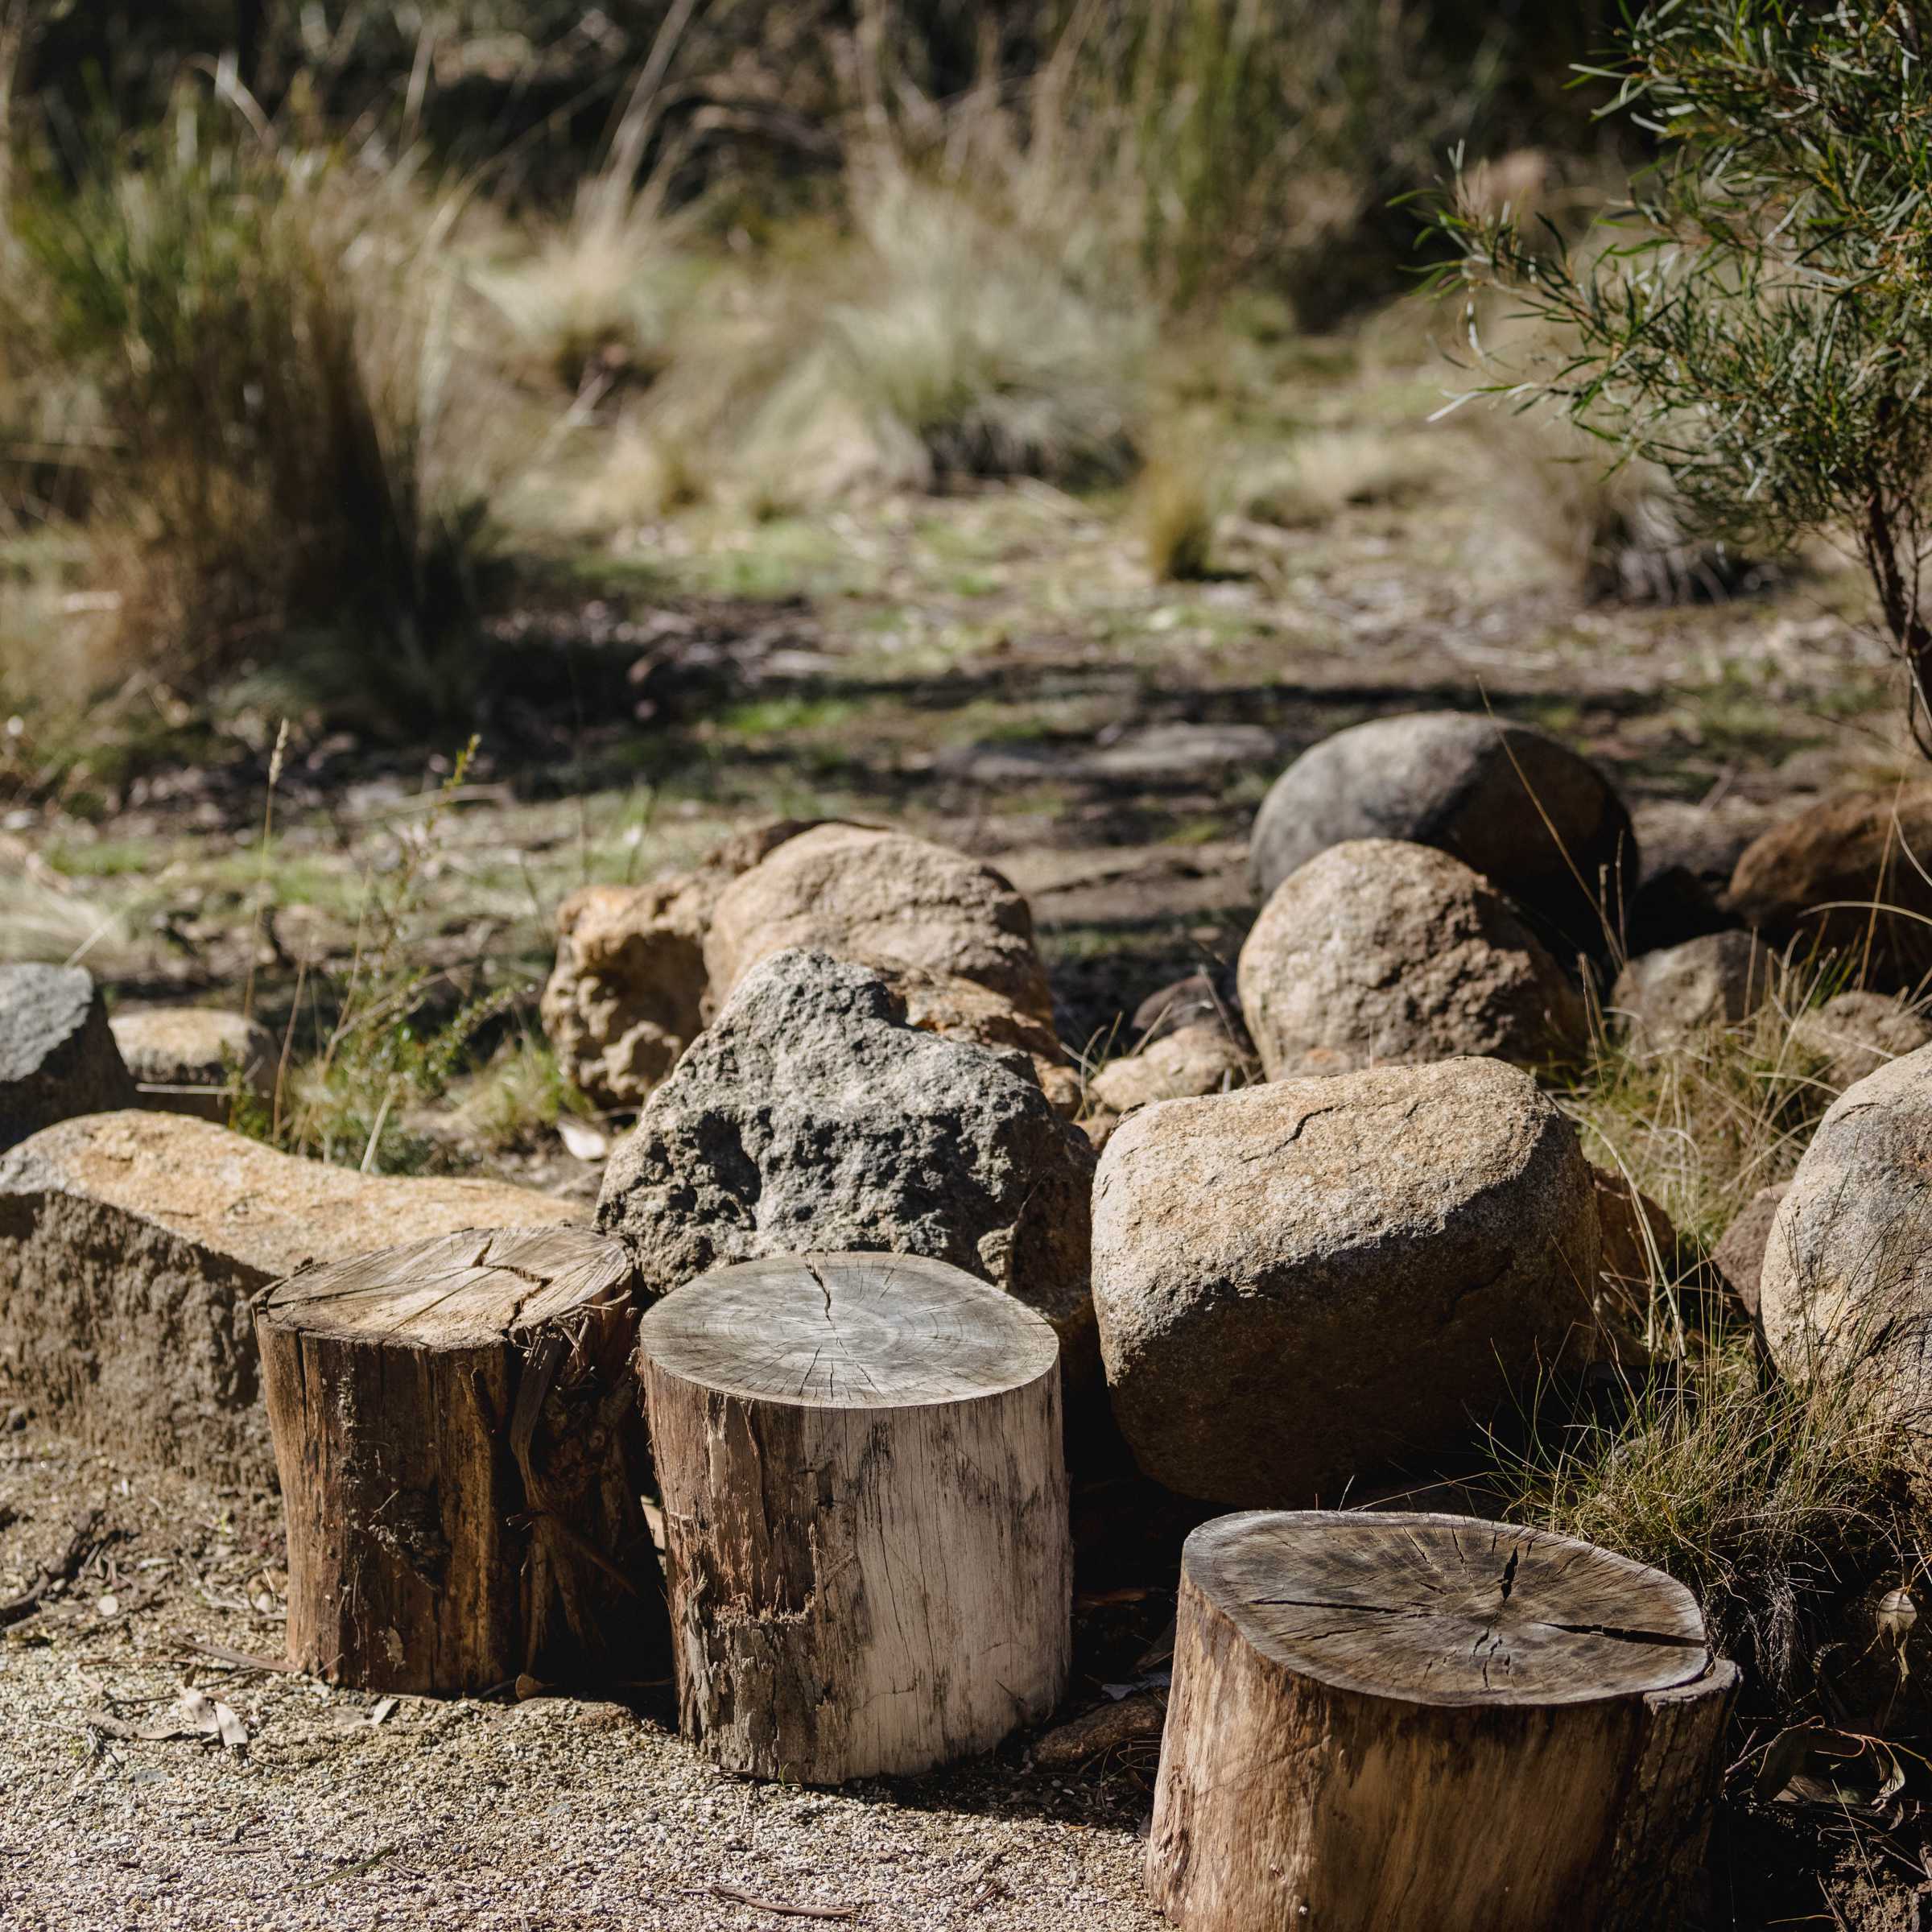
point(1384, 1720)
point(132, 1247)
point(456, 1426)
point(865, 1512)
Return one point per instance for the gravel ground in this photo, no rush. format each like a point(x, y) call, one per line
point(343, 1809)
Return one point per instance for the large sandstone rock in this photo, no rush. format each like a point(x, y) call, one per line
point(1299, 1283)
point(1523, 810)
point(189, 1059)
point(1856, 1034)
point(1847, 1283)
point(884, 898)
point(1739, 1257)
point(1201, 1057)
point(57, 1054)
point(1380, 952)
point(628, 991)
point(810, 1115)
point(964, 1009)
point(130, 1246)
point(1816, 875)
point(1664, 998)
point(1646, 1268)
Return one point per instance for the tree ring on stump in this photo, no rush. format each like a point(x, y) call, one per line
point(860, 1330)
point(1445, 1610)
point(471, 1289)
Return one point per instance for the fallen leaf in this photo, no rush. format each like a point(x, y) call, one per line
point(199, 1715)
point(384, 1706)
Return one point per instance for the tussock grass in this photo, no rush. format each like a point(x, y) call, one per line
point(1178, 502)
point(1332, 471)
point(1702, 1123)
point(1772, 1500)
point(1768, 1499)
point(517, 1097)
point(301, 432)
point(954, 348)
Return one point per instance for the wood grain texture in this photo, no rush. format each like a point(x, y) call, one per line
point(1382, 1720)
point(865, 1512)
point(457, 1430)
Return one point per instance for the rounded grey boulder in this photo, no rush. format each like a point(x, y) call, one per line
point(1537, 820)
point(1380, 952)
point(1847, 1282)
point(57, 1057)
point(1298, 1284)
point(1664, 997)
point(812, 1116)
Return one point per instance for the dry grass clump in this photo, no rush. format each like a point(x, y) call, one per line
point(597, 302)
point(304, 438)
point(1701, 1124)
point(955, 348)
point(1768, 1499)
point(1178, 502)
point(1329, 471)
point(1771, 1500)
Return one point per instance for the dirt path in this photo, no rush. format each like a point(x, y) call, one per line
point(549, 1813)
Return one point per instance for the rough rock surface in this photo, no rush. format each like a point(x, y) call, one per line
point(1739, 1258)
point(1642, 1253)
point(1525, 811)
point(810, 1115)
point(1848, 1273)
point(130, 1243)
point(1201, 1057)
point(57, 1054)
point(964, 1009)
point(1664, 998)
point(187, 1060)
point(1299, 1283)
point(1816, 875)
point(628, 990)
point(1377, 952)
point(1856, 1034)
point(882, 898)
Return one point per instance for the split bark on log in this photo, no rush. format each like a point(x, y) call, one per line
point(865, 1512)
point(1383, 1720)
point(455, 1424)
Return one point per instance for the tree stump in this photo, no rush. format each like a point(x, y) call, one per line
point(865, 1512)
point(1413, 1720)
point(457, 1430)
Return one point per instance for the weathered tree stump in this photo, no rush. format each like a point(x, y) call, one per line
point(1411, 1720)
point(865, 1512)
point(456, 1426)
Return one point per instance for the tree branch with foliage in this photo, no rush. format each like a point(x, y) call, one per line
point(1757, 319)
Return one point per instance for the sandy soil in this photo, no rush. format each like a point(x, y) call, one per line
point(343, 1809)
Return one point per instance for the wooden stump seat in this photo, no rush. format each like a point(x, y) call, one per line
point(457, 1430)
point(1430, 1721)
point(865, 1512)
